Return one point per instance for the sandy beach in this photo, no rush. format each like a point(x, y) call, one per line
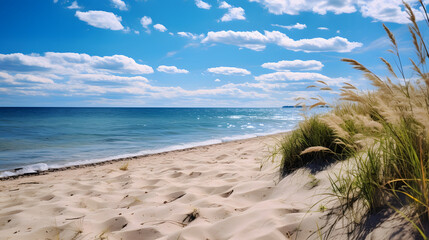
point(222, 191)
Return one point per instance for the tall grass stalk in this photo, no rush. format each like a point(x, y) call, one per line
point(386, 131)
point(397, 162)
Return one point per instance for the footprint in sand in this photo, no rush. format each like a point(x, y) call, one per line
point(227, 194)
point(115, 224)
point(176, 174)
point(143, 233)
point(174, 196)
point(195, 174)
point(47, 197)
point(221, 157)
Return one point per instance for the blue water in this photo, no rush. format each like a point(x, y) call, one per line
point(41, 138)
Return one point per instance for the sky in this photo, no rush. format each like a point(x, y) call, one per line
point(191, 53)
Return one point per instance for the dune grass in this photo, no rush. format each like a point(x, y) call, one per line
point(385, 131)
point(313, 141)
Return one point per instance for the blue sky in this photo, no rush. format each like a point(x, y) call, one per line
point(189, 53)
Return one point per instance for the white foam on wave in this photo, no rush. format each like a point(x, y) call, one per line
point(33, 168)
point(40, 167)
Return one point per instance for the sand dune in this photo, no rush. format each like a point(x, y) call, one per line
point(230, 189)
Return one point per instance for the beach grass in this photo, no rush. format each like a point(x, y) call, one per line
point(384, 132)
point(313, 141)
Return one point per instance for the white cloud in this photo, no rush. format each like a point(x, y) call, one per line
point(106, 77)
point(252, 40)
point(20, 79)
point(294, 76)
point(74, 5)
point(217, 80)
point(323, 28)
point(145, 22)
point(101, 19)
point(295, 7)
point(171, 69)
point(229, 71)
point(379, 10)
point(224, 5)
point(5, 76)
point(160, 27)
point(296, 26)
point(265, 86)
point(119, 4)
point(257, 41)
point(202, 5)
point(234, 13)
point(191, 35)
point(299, 76)
point(74, 74)
point(61, 63)
point(32, 78)
point(386, 11)
point(294, 65)
point(119, 64)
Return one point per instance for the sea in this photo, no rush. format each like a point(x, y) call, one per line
point(38, 139)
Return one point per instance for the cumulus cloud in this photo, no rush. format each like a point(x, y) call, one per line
point(75, 74)
point(68, 72)
point(101, 19)
point(294, 65)
point(379, 10)
point(224, 5)
point(23, 79)
point(191, 35)
point(145, 22)
point(295, 7)
point(387, 11)
point(257, 41)
point(31, 78)
point(234, 13)
point(229, 71)
point(74, 5)
point(202, 5)
point(323, 28)
point(299, 76)
point(293, 76)
point(171, 69)
point(265, 86)
point(71, 62)
point(160, 27)
point(289, 27)
point(119, 4)
point(97, 77)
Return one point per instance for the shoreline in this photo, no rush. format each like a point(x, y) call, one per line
point(115, 160)
point(220, 191)
point(220, 183)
